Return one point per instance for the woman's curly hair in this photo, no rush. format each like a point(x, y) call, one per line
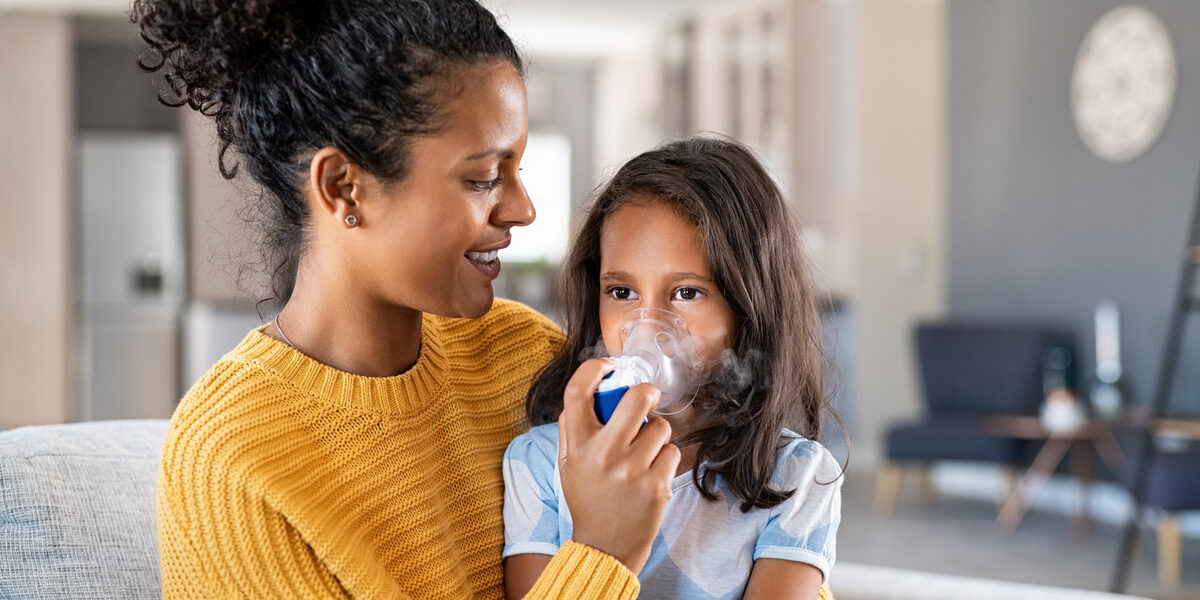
point(284, 78)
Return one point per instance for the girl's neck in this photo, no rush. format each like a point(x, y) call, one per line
point(681, 425)
point(341, 326)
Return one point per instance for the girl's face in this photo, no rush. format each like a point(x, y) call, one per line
point(653, 257)
point(430, 243)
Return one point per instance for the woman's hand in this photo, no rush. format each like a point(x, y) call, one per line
point(616, 477)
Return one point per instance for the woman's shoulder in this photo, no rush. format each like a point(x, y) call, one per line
point(231, 377)
point(238, 396)
point(508, 334)
point(508, 321)
point(505, 318)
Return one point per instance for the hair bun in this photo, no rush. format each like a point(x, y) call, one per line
point(204, 47)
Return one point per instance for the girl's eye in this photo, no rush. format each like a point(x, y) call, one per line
point(486, 186)
point(620, 292)
point(687, 293)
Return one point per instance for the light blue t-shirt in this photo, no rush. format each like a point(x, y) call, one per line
point(704, 549)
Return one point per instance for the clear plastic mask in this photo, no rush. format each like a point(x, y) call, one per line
point(655, 348)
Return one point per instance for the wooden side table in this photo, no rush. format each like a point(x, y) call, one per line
point(1079, 443)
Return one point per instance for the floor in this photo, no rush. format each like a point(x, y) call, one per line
point(954, 535)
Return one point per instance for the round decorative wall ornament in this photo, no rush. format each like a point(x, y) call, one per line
point(1123, 84)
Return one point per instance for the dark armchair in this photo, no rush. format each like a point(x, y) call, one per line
point(1172, 487)
point(967, 371)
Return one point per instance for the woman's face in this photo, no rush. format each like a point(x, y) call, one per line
point(430, 242)
point(652, 257)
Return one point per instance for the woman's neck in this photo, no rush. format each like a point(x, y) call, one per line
point(340, 326)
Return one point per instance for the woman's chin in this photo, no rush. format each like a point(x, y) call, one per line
point(474, 304)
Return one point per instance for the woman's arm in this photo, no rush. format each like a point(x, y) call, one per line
point(217, 541)
point(616, 479)
point(774, 578)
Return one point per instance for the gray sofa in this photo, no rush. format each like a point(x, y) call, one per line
point(77, 521)
point(77, 510)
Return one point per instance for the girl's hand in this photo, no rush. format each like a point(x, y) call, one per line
point(617, 477)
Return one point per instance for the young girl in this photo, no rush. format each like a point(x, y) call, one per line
point(699, 229)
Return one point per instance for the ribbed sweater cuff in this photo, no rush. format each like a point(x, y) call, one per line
point(584, 573)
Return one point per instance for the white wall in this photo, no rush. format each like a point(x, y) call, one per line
point(36, 321)
point(898, 215)
point(863, 163)
point(224, 259)
point(629, 114)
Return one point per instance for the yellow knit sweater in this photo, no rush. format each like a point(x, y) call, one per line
point(285, 478)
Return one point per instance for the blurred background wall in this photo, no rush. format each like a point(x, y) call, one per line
point(36, 284)
point(1039, 227)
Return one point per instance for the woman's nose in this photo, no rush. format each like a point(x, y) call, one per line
point(515, 208)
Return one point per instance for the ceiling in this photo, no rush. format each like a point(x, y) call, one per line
point(574, 28)
point(589, 28)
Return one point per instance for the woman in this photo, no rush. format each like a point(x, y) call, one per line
point(352, 447)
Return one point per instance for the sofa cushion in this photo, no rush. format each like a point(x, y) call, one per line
point(77, 510)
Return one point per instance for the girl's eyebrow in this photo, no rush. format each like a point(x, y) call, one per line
point(676, 276)
point(689, 275)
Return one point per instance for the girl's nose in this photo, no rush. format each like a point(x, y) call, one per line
point(659, 303)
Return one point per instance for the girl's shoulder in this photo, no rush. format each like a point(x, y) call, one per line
point(536, 449)
point(541, 437)
point(800, 461)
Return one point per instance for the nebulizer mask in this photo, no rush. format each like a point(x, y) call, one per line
point(654, 349)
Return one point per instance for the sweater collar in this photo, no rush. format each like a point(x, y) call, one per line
point(407, 392)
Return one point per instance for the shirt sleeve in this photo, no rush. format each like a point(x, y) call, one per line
point(579, 572)
point(531, 519)
point(804, 527)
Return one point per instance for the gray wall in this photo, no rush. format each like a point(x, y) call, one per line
point(1040, 228)
point(111, 94)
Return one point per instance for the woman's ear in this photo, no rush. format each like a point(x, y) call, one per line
point(333, 178)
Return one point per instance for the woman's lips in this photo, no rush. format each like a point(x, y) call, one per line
point(483, 257)
point(486, 262)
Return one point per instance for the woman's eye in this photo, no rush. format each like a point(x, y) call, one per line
point(486, 186)
point(621, 292)
point(687, 293)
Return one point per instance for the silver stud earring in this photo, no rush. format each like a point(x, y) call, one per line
point(351, 221)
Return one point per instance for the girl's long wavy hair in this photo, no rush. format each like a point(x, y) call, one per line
point(752, 247)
